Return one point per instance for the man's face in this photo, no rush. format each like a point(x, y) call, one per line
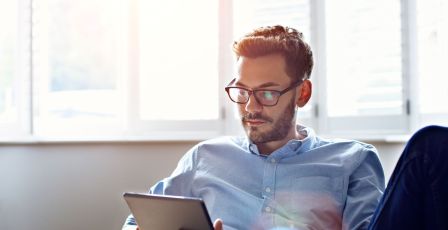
point(264, 124)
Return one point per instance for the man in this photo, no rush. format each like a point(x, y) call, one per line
point(281, 175)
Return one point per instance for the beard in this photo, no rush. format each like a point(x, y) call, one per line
point(278, 129)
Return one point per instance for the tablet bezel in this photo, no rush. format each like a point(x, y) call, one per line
point(153, 211)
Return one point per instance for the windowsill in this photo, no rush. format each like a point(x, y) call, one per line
point(179, 137)
point(387, 138)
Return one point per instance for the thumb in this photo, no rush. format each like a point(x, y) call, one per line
point(218, 224)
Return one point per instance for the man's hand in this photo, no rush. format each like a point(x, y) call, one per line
point(218, 224)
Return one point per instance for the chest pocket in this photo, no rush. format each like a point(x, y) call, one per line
point(322, 184)
point(315, 189)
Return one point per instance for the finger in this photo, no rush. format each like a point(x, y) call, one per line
point(218, 224)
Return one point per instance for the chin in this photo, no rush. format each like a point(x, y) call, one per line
point(256, 137)
point(252, 131)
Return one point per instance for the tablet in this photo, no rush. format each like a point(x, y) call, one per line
point(168, 212)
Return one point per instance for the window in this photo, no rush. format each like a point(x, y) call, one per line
point(8, 59)
point(294, 13)
point(364, 77)
point(432, 59)
point(366, 57)
point(79, 64)
point(178, 78)
point(112, 69)
point(178, 61)
point(14, 71)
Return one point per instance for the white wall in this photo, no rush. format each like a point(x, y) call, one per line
point(389, 154)
point(79, 186)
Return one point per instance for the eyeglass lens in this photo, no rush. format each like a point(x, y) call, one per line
point(264, 97)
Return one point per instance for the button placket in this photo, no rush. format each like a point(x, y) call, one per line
point(268, 188)
point(268, 209)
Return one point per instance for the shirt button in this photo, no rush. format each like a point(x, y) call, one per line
point(268, 209)
point(273, 160)
point(267, 189)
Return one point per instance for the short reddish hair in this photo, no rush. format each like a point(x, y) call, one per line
point(285, 41)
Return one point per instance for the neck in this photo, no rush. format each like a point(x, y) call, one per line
point(268, 147)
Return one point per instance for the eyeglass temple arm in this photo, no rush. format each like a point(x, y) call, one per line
point(231, 82)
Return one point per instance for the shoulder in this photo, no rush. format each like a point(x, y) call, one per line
point(221, 144)
point(351, 146)
point(351, 150)
point(359, 159)
point(313, 141)
point(224, 141)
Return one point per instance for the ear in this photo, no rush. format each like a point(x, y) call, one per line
point(305, 90)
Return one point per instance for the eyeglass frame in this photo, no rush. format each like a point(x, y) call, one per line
point(252, 92)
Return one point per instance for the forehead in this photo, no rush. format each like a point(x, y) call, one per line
point(253, 72)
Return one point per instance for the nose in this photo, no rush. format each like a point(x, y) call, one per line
point(252, 105)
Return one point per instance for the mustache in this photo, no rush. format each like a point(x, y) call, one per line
point(257, 116)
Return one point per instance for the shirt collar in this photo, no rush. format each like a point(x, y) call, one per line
point(293, 146)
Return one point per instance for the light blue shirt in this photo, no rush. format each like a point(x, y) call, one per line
point(306, 184)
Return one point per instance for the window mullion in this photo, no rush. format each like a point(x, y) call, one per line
point(410, 65)
point(24, 80)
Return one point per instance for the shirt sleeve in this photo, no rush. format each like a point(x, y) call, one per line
point(365, 188)
point(178, 183)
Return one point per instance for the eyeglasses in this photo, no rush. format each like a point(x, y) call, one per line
point(264, 97)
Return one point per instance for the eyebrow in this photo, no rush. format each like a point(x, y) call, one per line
point(264, 85)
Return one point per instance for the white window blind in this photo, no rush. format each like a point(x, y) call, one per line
point(364, 80)
point(432, 59)
point(252, 14)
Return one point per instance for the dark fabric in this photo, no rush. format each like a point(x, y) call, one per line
point(416, 196)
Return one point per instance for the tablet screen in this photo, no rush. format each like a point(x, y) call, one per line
point(168, 212)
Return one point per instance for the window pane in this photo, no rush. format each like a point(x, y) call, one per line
point(8, 60)
point(432, 45)
point(77, 63)
point(294, 13)
point(178, 60)
point(363, 55)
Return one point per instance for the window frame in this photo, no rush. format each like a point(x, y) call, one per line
point(21, 129)
point(372, 128)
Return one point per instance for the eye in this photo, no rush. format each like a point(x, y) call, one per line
point(268, 95)
point(243, 92)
